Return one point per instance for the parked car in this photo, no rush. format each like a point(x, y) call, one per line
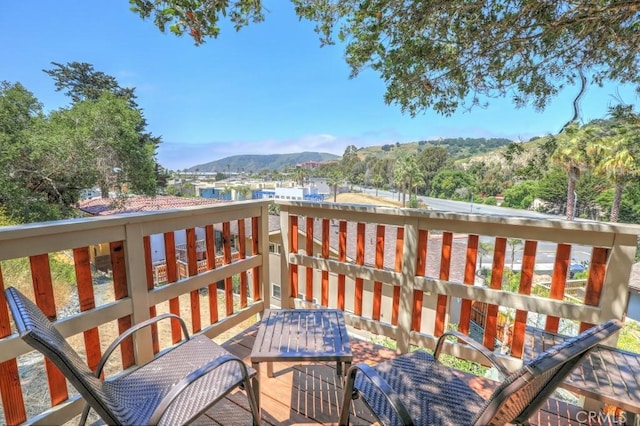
point(574, 268)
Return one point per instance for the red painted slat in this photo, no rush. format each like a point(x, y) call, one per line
point(324, 290)
point(309, 270)
point(445, 268)
point(172, 276)
point(526, 283)
point(395, 304)
point(228, 282)
point(377, 285)
point(558, 282)
point(86, 298)
point(421, 268)
point(342, 257)
point(10, 389)
point(192, 270)
point(43, 290)
point(121, 291)
point(595, 282)
point(469, 279)
point(359, 261)
point(293, 244)
point(148, 261)
point(255, 244)
point(211, 264)
point(497, 271)
point(242, 254)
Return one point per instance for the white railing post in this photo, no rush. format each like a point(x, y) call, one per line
point(286, 301)
point(265, 272)
point(615, 291)
point(409, 263)
point(137, 287)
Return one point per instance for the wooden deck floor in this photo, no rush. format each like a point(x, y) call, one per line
point(298, 394)
point(310, 394)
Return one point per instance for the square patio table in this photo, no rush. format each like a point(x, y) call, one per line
point(287, 335)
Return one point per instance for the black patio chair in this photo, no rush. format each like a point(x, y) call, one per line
point(174, 388)
point(415, 388)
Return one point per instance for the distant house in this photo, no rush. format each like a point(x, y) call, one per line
point(100, 256)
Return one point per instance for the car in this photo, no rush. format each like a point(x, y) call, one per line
point(574, 268)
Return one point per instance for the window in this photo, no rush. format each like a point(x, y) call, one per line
point(275, 291)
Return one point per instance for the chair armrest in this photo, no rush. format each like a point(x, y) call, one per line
point(475, 345)
point(132, 330)
point(107, 353)
point(183, 384)
point(382, 385)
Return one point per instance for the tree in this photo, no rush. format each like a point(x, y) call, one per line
point(105, 137)
point(447, 181)
point(334, 179)
point(521, 195)
point(571, 155)
point(448, 55)
point(83, 83)
point(431, 160)
point(618, 154)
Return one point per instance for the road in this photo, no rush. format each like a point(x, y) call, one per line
point(546, 251)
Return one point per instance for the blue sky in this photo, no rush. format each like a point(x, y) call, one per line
point(267, 89)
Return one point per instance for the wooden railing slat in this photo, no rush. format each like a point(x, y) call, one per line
point(172, 277)
point(309, 249)
point(497, 271)
point(469, 279)
point(360, 234)
point(121, 291)
point(43, 291)
point(558, 281)
point(324, 290)
point(342, 257)
point(293, 248)
point(255, 244)
point(395, 304)
point(10, 389)
point(377, 285)
point(595, 282)
point(445, 269)
point(228, 282)
point(526, 284)
point(211, 264)
point(242, 254)
point(192, 270)
point(421, 269)
point(87, 301)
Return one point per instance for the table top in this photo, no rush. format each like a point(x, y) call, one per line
point(302, 335)
point(607, 374)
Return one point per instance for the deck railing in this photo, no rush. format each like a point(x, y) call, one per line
point(408, 274)
point(135, 298)
point(402, 274)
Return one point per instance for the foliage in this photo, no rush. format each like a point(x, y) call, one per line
point(521, 195)
point(629, 338)
point(553, 187)
point(448, 55)
point(448, 183)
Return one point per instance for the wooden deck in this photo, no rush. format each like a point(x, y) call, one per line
point(306, 394)
point(299, 393)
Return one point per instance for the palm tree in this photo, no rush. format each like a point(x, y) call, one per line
point(618, 154)
point(570, 154)
point(334, 179)
point(407, 175)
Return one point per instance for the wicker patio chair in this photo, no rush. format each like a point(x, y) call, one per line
point(174, 388)
point(417, 389)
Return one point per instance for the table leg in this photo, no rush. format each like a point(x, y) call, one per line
point(269, 369)
point(255, 383)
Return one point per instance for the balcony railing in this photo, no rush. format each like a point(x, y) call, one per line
point(403, 274)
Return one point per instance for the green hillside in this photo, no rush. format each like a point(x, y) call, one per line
point(256, 163)
point(457, 147)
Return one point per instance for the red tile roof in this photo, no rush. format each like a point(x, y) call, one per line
point(109, 206)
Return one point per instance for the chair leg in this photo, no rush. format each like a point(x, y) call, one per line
point(253, 404)
point(347, 396)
